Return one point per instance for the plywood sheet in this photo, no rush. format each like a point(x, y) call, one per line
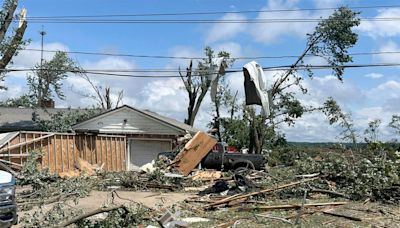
point(193, 152)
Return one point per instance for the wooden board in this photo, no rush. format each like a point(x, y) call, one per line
point(193, 152)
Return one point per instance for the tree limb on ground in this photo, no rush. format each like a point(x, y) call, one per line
point(237, 197)
point(292, 206)
point(342, 216)
point(90, 214)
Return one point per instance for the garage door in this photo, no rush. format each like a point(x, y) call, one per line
point(144, 151)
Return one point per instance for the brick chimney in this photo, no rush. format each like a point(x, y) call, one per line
point(47, 103)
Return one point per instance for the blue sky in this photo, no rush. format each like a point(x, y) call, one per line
point(366, 93)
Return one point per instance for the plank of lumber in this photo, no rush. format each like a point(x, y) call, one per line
point(11, 163)
point(25, 143)
point(226, 200)
point(193, 152)
point(342, 216)
point(8, 169)
point(292, 206)
point(330, 192)
point(13, 155)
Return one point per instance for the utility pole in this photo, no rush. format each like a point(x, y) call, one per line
point(42, 33)
point(40, 75)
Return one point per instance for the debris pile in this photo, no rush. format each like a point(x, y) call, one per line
point(326, 186)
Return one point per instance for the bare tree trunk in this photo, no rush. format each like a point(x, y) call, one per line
point(279, 82)
point(5, 24)
point(15, 42)
point(233, 105)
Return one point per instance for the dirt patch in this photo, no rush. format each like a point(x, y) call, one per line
point(150, 199)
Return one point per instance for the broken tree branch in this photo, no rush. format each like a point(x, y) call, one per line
point(226, 200)
point(330, 192)
point(342, 216)
point(292, 206)
point(275, 218)
point(90, 214)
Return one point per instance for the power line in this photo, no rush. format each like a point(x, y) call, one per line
point(194, 57)
point(210, 13)
point(201, 21)
point(109, 72)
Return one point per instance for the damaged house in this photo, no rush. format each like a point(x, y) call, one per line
point(120, 139)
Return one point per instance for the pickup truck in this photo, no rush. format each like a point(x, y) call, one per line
point(8, 208)
point(219, 158)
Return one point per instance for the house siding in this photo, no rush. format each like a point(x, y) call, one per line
point(136, 123)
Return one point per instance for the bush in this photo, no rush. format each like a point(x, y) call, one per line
point(32, 174)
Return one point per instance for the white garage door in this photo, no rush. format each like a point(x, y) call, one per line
point(144, 151)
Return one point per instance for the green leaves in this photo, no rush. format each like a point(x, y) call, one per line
point(46, 81)
point(335, 115)
point(62, 121)
point(333, 37)
point(362, 178)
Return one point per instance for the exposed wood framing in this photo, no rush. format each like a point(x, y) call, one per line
point(62, 150)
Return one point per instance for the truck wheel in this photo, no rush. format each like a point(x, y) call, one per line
point(244, 167)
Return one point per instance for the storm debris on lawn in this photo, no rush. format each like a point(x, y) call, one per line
point(323, 187)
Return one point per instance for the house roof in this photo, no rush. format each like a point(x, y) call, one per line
point(165, 120)
point(20, 119)
point(6, 137)
point(171, 121)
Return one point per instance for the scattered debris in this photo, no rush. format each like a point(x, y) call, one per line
point(148, 168)
point(291, 206)
point(85, 167)
point(207, 175)
point(238, 197)
point(168, 221)
point(69, 174)
point(194, 220)
point(222, 197)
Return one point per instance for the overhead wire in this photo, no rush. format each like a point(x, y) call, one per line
point(109, 72)
point(194, 57)
point(198, 21)
point(211, 13)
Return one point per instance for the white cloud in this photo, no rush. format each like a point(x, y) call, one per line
point(182, 51)
point(374, 75)
point(28, 58)
point(308, 129)
point(272, 32)
point(389, 46)
point(382, 28)
point(326, 3)
point(364, 105)
point(224, 31)
point(165, 95)
point(14, 90)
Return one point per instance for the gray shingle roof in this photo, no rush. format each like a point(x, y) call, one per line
point(175, 123)
point(171, 121)
point(20, 119)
